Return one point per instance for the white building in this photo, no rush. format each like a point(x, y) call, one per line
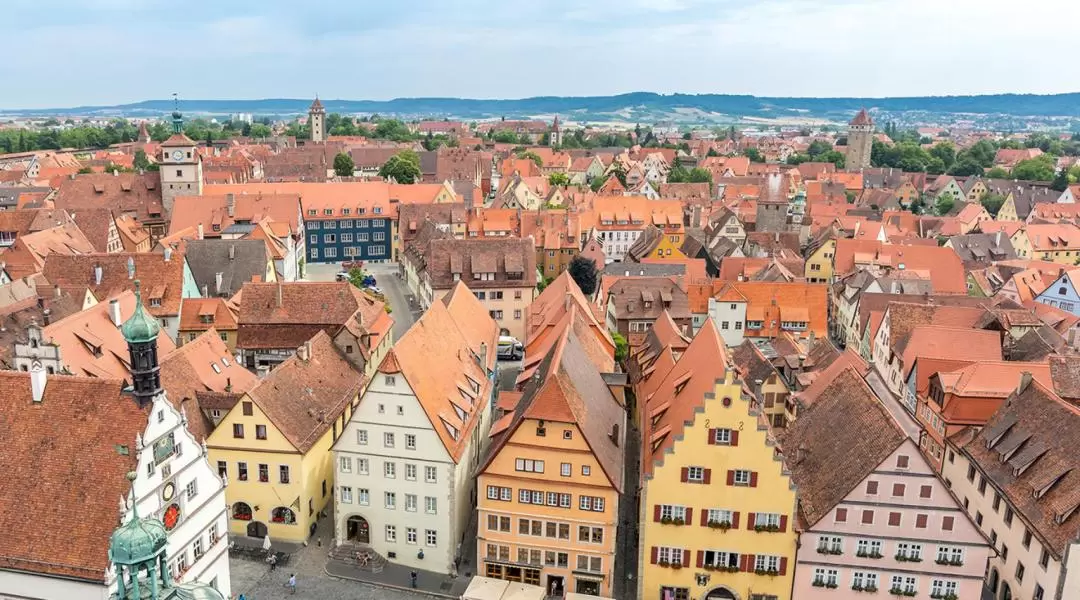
point(406, 460)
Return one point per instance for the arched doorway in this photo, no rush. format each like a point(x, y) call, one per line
point(721, 593)
point(992, 581)
point(1006, 593)
point(357, 530)
point(256, 529)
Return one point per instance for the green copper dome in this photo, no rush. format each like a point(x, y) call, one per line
point(141, 327)
point(137, 541)
point(197, 591)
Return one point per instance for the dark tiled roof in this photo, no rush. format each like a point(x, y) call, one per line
point(466, 258)
point(161, 279)
point(1065, 371)
point(827, 461)
point(306, 308)
point(238, 261)
point(631, 295)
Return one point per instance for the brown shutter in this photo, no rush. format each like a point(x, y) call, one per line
point(753, 478)
point(707, 478)
point(684, 475)
point(704, 517)
point(654, 554)
point(730, 477)
point(783, 523)
point(920, 521)
point(689, 515)
point(841, 515)
point(924, 491)
point(947, 523)
point(735, 520)
point(686, 558)
point(894, 519)
point(712, 436)
point(656, 513)
point(734, 438)
point(783, 565)
point(744, 561)
point(700, 558)
point(749, 563)
point(750, 521)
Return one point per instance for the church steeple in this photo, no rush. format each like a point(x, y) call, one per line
point(141, 332)
point(177, 117)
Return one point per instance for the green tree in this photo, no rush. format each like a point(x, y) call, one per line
point(700, 175)
point(356, 277)
point(1061, 181)
point(835, 157)
point(504, 137)
point(344, 165)
point(992, 203)
point(258, 130)
point(141, 161)
point(585, 274)
point(531, 156)
point(85, 171)
point(817, 148)
point(622, 347)
point(754, 155)
point(678, 174)
point(712, 152)
point(1040, 168)
point(966, 166)
point(944, 204)
point(944, 151)
point(997, 173)
point(918, 206)
point(403, 167)
point(559, 179)
point(797, 158)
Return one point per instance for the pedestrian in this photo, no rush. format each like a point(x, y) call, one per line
point(272, 559)
point(292, 583)
point(412, 578)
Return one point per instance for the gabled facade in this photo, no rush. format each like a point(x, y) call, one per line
point(717, 503)
point(406, 461)
point(819, 265)
point(1063, 293)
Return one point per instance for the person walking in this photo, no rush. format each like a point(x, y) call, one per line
point(292, 583)
point(412, 578)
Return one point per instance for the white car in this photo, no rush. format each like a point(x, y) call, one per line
point(376, 289)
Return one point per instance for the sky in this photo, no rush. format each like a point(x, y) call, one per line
point(64, 53)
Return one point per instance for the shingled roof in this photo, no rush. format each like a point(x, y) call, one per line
point(238, 262)
point(285, 315)
point(64, 464)
point(511, 260)
point(161, 275)
point(138, 194)
point(827, 461)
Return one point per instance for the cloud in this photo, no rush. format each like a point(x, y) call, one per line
point(107, 51)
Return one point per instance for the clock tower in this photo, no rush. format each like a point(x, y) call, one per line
point(181, 165)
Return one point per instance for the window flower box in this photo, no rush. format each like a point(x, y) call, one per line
point(945, 596)
point(678, 521)
point(870, 589)
point(721, 525)
point(767, 528)
point(906, 558)
point(819, 583)
point(900, 592)
point(676, 566)
point(769, 572)
point(832, 585)
point(950, 562)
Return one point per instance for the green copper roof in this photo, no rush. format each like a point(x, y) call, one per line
point(137, 541)
point(141, 327)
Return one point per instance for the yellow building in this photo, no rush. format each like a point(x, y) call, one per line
point(716, 504)
point(274, 444)
point(1054, 242)
point(661, 241)
point(819, 265)
point(548, 495)
point(1008, 211)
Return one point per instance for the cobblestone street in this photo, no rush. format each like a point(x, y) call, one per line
point(255, 580)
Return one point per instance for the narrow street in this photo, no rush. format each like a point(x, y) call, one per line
point(386, 279)
point(626, 543)
point(893, 405)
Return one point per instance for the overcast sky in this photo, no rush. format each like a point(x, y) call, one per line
point(78, 52)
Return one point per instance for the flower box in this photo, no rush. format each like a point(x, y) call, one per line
point(767, 528)
point(819, 583)
point(769, 572)
point(831, 586)
point(946, 596)
point(721, 525)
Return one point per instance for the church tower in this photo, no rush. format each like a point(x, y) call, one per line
point(555, 138)
point(317, 120)
point(860, 142)
point(141, 332)
point(181, 165)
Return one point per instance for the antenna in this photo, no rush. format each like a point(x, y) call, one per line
point(176, 101)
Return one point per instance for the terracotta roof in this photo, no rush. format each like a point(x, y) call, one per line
point(203, 365)
point(95, 223)
point(63, 457)
point(551, 305)
point(567, 388)
point(337, 196)
point(440, 362)
point(211, 210)
point(29, 253)
point(1065, 374)
point(411, 217)
point(942, 266)
point(123, 193)
point(302, 398)
point(827, 461)
point(1028, 451)
point(162, 280)
point(639, 298)
point(201, 314)
point(848, 359)
point(306, 308)
point(467, 259)
point(949, 342)
point(132, 234)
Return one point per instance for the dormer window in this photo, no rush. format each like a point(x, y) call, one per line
point(328, 211)
point(155, 302)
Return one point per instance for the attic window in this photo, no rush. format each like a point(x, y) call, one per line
point(155, 302)
point(225, 361)
point(460, 413)
point(216, 368)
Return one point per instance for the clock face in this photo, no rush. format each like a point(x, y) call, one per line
point(168, 491)
point(178, 155)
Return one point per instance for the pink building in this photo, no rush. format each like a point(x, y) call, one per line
point(872, 512)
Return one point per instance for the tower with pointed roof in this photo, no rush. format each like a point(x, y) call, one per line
point(181, 165)
point(555, 139)
point(317, 120)
point(860, 141)
point(141, 332)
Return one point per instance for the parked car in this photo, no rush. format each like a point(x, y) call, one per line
point(348, 265)
point(510, 348)
point(341, 276)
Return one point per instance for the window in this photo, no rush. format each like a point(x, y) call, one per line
point(1027, 538)
point(906, 551)
point(926, 492)
point(410, 441)
point(1044, 559)
point(826, 577)
point(695, 474)
point(1020, 571)
point(389, 470)
point(894, 519)
point(410, 472)
point(741, 477)
point(430, 474)
point(495, 492)
point(863, 580)
point(528, 465)
point(388, 439)
point(591, 503)
point(362, 466)
point(1038, 595)
point(192, 489)
point(767, 562)
point(868, 548)
point(898, 490)
point(904, 584)
point(241, 471)
point(950, 555)
point(410, 535)
point(947, 523)
point(391, 533)
point(222, 469)
point(868, 517)
point(390, 500)
point(346, 464)
point(871, 488)
point(841, 515)
point(346, 495)
point(430, 505)
point(264, 473)
point(830, 544)
point(978, 518)
point(238, 430)
point(719, 558)
point(666, 555)
point(382, 409)
point(410, 502)
point(586, 470)
point(590, 563)
point(940, 588)
point(430, 538)
point(721, 437)
point(672, 512)
point(363, 496)
point(1008, 516)
point(361, 437)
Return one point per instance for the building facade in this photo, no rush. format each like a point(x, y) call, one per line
point(860, 141)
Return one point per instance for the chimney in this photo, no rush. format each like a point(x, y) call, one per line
point(232, 252)
point(97, 275)
point(304, 351)
point(114, 312)
point(230, 205)
point(997, 238)
point(38, 381)
point(56, 292)
point(200, 234)
point(46, 317)
point(1025, 381)
point(168, 253)
point(217, 284)
point(205, 291)
point(483, 355)
point(131, 267)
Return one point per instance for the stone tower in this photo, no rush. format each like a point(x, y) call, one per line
point(860, 141)
point(181, 165)
point(317, 120)
point(772, 206)
point(555, 138)
point(141, 332)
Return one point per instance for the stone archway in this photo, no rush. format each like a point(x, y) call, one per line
point(256, 529)
point(992, 581)
point(357, 529)
point(721, 593)
point(1006, 593)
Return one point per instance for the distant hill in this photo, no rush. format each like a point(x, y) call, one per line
point(633, 106)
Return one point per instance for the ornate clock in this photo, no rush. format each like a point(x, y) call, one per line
point(168, 491)
point(171, 517)
point(178, 155)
